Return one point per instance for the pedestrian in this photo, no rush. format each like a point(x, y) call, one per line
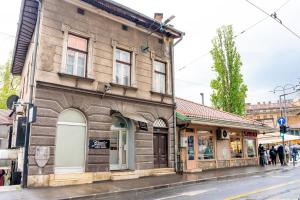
point(261, 152)
point(281, 154)
point(273, 155)
point(2, 178)
point(294, 154)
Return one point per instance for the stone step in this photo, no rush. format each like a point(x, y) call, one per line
point(124, 177)
point(163, 173)
point(163, 170)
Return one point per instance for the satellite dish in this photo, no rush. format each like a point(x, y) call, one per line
point(11, 100)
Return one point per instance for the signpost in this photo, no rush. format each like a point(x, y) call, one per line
point(281, 121)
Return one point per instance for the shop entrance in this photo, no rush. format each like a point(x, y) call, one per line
point(160, 144)
point(118, 154)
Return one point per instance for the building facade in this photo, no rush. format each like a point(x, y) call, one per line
point(212, 139)
point(269, 113)
point(103, 91)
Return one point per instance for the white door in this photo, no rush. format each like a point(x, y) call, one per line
point(118, 154)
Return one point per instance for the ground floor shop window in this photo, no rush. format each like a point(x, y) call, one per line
point(250, 147)
point(191, 147)
point(205, 145)
point(236, 147)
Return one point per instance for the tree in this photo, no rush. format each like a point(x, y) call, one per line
point(9, 85)
point(229, 90)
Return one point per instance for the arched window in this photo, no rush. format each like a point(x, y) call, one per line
point(159, 123)
point(70, 147)
point(118, 122)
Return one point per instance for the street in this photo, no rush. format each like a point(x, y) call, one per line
point(283, 184)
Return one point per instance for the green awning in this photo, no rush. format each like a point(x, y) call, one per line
point(182, 117)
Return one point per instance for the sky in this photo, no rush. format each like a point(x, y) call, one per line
point(269, 53)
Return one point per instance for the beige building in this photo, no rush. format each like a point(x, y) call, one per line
point(103, 90)
point(269, 113)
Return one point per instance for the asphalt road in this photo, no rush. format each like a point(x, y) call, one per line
point(283, 184)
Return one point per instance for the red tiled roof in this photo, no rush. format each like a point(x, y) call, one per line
point(192, 109)
point(4, 117)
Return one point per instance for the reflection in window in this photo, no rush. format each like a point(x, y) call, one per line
point(250, 146)
point(205, 147)
point(236, 147)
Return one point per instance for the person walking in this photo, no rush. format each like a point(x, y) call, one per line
point(273, 155)
point(261, 152)
point(294, 155)
point(281, 154)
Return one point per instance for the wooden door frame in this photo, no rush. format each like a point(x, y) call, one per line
point(165, 132)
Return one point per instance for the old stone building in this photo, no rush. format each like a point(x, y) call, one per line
point(103, 90)
point(269, 112)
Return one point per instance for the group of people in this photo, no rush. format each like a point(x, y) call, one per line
point(270, 156)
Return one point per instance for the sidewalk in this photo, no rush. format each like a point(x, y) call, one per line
point(107, 188)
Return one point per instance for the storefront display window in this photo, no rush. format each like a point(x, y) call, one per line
point(205, 147)
point(236, 148)
point(250, 147)
point(191, 147)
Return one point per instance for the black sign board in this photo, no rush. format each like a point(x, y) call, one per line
point(143, 126)
point(99, 144)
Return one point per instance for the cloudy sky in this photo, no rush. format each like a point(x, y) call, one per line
point(270, 54)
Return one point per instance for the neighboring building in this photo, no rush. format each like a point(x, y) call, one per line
point(269, 113)
point(103, 89)
point(211, 138)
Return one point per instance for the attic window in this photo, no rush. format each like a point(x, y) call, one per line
point(80, 11)
point(124, 27)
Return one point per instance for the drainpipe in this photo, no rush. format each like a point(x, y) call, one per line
point(174, 103)
point(30, 100)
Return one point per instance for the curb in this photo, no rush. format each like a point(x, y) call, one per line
point(171, 185)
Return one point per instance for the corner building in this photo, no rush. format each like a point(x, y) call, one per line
point(103, 91)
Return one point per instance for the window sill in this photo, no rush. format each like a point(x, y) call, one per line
point(76, 77)
point(161, 94)
point(123, 86)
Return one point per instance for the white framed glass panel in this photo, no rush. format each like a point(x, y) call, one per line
point(123, 56)
point(236, 147)
point(159, 77)
point(250, 145)
point(78, 43)
point(123, 67)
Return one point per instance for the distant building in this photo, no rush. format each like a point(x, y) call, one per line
point(269, 112)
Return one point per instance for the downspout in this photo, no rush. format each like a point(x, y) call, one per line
point(174, 102)
point(30, 100)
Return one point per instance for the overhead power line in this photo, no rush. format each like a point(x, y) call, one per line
point(7, 34)
point(237, 35)
point(274, 16)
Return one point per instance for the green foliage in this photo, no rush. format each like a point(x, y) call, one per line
point(9, 85)
point(229, 90)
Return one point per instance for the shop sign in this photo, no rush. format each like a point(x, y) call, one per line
point(143, 126)
point(99, 144)
point(250, 134)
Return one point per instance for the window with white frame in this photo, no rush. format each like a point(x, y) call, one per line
point(159, 84)
point(123, 67)
point(77, 52)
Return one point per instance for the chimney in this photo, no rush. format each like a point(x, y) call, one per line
point(202, 95)
point(258, 103)
point(264, 102)
point(158, 16)
point(270, 102)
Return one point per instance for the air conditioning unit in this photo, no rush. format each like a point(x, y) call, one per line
point(223, 134)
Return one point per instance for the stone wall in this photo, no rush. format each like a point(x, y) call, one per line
point(51, 102)
point(57, 14)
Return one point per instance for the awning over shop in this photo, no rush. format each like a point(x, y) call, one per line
point(129, 115)
point(273, 138)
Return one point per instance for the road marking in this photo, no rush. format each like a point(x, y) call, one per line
point(261, 190)
point(191, 193)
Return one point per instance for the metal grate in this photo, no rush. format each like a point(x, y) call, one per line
point(159, 123)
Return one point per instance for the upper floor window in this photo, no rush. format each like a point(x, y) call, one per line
point(159, 84)
point(123, 67)
point(77, 51)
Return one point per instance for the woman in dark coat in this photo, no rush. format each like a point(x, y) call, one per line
point(273, 155)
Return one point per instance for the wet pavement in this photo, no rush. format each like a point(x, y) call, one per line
point(276, 185)
point(113, 189)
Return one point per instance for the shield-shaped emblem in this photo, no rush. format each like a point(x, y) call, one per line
point(42, 155)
